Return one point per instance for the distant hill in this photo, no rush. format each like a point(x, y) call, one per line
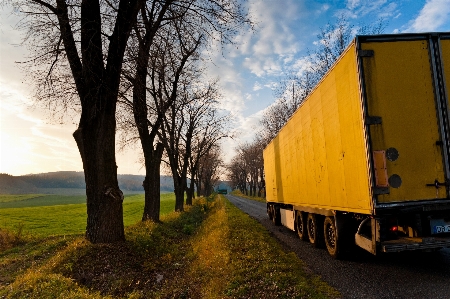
point(14, 185)
point(32, 183)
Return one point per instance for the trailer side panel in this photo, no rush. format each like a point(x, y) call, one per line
point(319, 158)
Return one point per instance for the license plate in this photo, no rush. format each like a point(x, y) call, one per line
point(440, 229)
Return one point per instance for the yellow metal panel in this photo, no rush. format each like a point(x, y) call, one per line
point(322, 149)
point(278, 188)
point(335, 156)
point(445, 53)
point(319, 150)
point(399, 89)
point(269, 169)
point(353, 141)
point(309, 174)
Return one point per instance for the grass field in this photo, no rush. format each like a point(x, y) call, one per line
point(45, 215)
point(9, 198)
point(212, 250)
point(39, 200)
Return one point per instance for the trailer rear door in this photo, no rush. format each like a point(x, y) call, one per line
point(405, 118)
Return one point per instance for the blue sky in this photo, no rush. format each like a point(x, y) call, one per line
point(30, 142)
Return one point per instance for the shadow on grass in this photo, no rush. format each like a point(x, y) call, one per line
point(152, 254)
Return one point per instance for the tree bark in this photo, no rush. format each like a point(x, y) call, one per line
point(152, 184)
point(98, 88)
point(179, 187)
point(199, 185)
point(104, 198)
point(190, 192)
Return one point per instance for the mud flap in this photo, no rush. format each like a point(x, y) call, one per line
point(367, 238)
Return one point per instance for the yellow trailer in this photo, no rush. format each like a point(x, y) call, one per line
point(365, 159)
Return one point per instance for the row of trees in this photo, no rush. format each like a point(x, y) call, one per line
point(246, 170)
point(131, 65)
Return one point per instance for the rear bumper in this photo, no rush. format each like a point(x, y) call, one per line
point(404, 244)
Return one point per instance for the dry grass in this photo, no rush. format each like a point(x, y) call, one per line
point(9, 239)
point(212, 250)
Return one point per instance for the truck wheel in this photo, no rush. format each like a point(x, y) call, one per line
point(276, 218)
point(314, 231)
point(301, 226)
point(330, 236)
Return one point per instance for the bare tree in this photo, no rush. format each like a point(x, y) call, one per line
point(209, 167)
point(212, 127)
point(237, 173)
point(187, 23)
point(249, 166)
point(194, 104)
point(163, 67)
point(78, 50)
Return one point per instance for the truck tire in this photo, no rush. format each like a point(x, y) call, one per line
point(314, 230)
point(331, 237)
point(300, 225)
point(276, 218)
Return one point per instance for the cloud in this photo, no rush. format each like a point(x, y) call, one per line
point(431, 17)
point(27, 143)
point(360, 8)
point(324, 8)
point(301, 65)
point(244, 132)
point(257, 86)
point(273, 41)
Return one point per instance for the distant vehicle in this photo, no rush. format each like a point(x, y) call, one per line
point(222, 191)
point(365, 159)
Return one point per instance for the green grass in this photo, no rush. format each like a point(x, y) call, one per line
point(42, 200)
point(77, 191)
point(10, 198)
point(62, 218)
point(212, 250)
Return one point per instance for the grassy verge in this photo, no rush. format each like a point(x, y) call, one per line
point(239, 193)
point(212, 250)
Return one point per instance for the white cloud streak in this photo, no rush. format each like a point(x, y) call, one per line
point(431, 17)
point(360, 8)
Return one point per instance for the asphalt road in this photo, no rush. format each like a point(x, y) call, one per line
point(362, 275)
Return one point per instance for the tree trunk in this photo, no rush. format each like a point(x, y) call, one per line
point(104, 198)
point(97, 87)
point(199, 186)
point(190, 192)
point(152, 184)
point(207, 187)
point(179, 187)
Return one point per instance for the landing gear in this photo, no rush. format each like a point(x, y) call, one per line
point(276, 217)
point(270, 211)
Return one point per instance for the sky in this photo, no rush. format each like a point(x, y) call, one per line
point(249, 72)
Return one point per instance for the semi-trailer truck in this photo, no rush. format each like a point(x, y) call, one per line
point(365, 158)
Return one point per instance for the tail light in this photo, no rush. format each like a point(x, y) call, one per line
point(393, 228)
